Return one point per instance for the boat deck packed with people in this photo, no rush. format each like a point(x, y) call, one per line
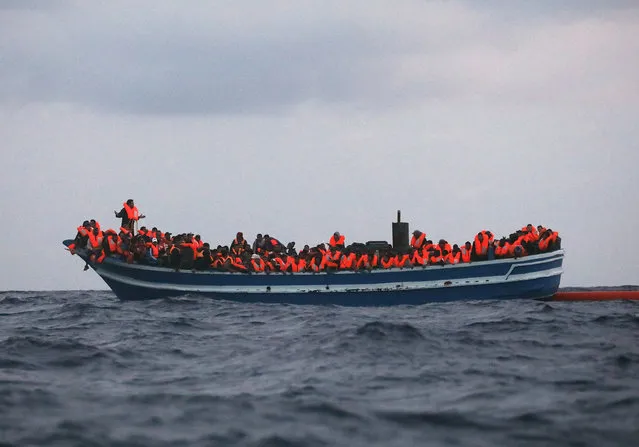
point(148, 263)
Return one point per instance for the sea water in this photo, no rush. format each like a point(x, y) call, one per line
point(85, 369)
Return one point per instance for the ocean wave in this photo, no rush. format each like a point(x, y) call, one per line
point(617, 318)
point(440, 419)
point(379, 330)
point(29, 352)
point(328, 409)
point(87, 369)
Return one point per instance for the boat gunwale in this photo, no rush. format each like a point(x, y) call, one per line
point(524, 260)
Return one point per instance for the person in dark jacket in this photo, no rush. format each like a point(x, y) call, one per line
point(129, 215)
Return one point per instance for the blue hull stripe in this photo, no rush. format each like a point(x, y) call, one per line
point(534, 276)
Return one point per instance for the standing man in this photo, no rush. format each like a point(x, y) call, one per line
point(129, 214)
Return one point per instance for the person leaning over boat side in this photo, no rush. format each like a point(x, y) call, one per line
point(466, 252)
point(337, 240)
point(480, 247)
point(129, 214)
point(81, 238)
point(455, 255)
point(402, 260)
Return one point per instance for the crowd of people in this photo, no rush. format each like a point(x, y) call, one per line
point(268, 254)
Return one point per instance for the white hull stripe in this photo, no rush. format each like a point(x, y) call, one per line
point(528, 260)
point(396, 286)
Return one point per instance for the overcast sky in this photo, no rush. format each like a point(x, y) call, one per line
point(300, 118)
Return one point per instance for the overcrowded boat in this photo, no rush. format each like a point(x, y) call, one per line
point(140, 264)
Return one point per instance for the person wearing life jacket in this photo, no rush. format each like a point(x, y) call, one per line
point(402, 260)
point(95, 224)
point(129, 214)
point(257, 264)
point(532, 236)
point(111, 243)
point(418, 239)
point(96, 251)
point(548, 241)
point(144, 233)
point(348, 260)
point(427, 248)
point(301, 263)
point(282, 263)
point(416, 258)
point(455, 255)
point(361, 261)
point(204, 258)
point(502, 250)
point(332, 258)
point(317, 262)
point(81, 238)
point(480, 247)
point(152, 233)
point(174, 255)
point(436, 255)
point(444, 245)
point(388, 260)
point(152, 252)
point(239, 244)
point(238, 263)
point(337, 240)
point(466, 252)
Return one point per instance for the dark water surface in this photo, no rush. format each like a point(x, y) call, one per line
point(82, 368)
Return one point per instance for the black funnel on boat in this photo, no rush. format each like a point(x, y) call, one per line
point(400, 233)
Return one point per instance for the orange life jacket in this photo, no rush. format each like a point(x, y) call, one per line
point(238, 264)
point(402, 260)
point(362, 261)
point(346, 263)
point(300, 265)
point(455, 258)
point(334, 242)
point(391, 262)
point(481, 247)
point(314, 266)
point(258, 264)
point(417, 242)
point(155, 251)
point(465, 254)
point(96, 241)
point(113, 245)
point(417, 258)
point(131, 212)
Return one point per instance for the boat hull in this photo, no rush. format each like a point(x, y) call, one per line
point(531, 277)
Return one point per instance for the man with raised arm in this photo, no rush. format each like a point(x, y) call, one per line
point(129, 214)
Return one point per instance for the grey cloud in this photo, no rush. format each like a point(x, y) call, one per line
point(198, 61)
point(184, 73)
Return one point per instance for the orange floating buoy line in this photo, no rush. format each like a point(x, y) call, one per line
point(596, 295)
